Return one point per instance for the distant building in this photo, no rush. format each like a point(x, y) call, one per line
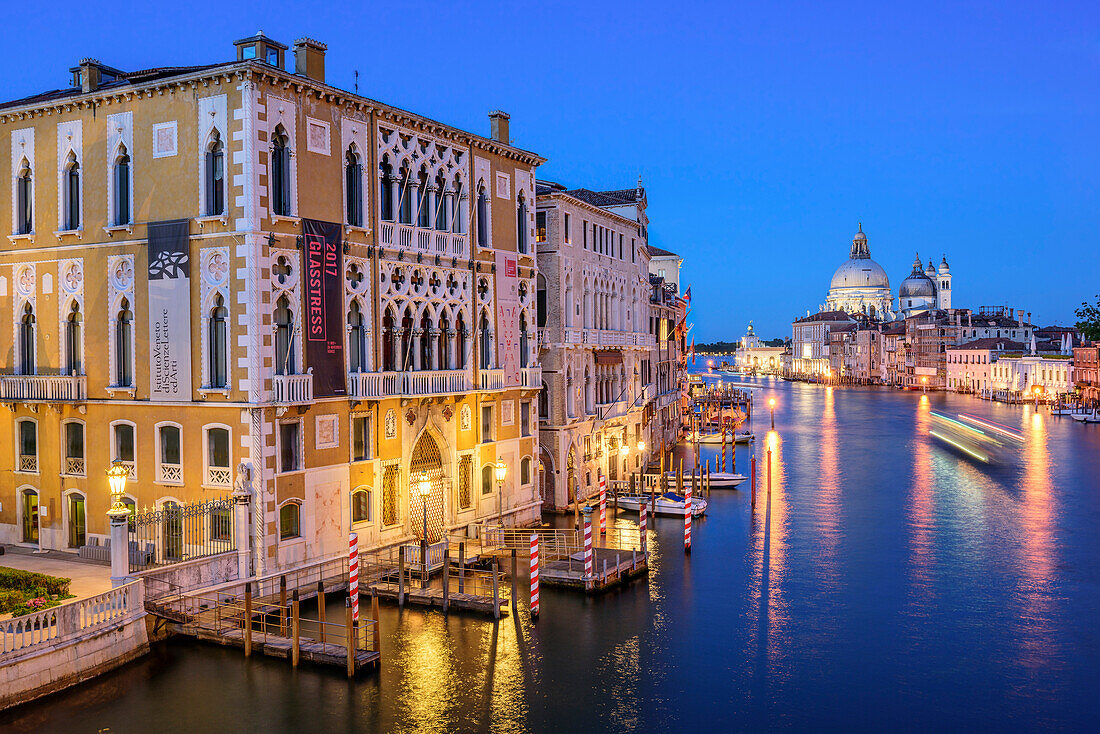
point(860, 285)
point(753, 356)
point(666, 265)
point(1086, 372)
point(810, 342)
point(970, 365)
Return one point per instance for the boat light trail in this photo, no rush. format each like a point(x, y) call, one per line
point(960, 446)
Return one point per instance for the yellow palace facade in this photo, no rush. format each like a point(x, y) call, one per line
point(237, 276)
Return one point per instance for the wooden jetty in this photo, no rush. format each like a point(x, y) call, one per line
point(264, 615)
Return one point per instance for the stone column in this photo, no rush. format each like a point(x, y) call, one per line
point(242, 498)
point(395, 198)
point(416, 347)
point(120, 545)
point(449, 210)
point(450, 336)
point(431, 203)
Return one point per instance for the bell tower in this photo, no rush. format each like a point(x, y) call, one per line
point(943, 280)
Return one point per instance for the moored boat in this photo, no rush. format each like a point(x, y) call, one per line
point(725, 479)
point(668, 503)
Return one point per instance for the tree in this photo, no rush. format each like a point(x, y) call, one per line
point(1089, 325)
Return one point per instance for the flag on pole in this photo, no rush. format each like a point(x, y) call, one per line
point(687, 294)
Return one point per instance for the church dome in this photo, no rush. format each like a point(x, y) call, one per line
point(918, 284)
point(860, 273)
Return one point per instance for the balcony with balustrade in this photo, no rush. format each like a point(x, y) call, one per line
point(418, 383)
point(41, 388)
point(609, 338)
point(292, 388)
point(420, 239)
point(218, 476)
point(170, 473)
point(74, 466)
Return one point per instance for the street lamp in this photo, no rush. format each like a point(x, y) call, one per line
point(424, 488)
point(116, 478)
point(501, 471)
point(771, 404)
point(924, 384)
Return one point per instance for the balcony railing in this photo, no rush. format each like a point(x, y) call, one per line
point(609, 338)
point(491, 379)
point(43, 387)
point(362, 385)
point(170, 473)
point(28, 463)
point(408, 237)
point(292, 388)
point(219, 476)
point(531, 377)
point(131, 469)
point(74, 466)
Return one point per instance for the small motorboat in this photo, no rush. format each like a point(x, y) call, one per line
point(725, 479)
point(744, 437)
point(1092, 417)
point(1064, 411)
point(668, 503)
point(716, 437)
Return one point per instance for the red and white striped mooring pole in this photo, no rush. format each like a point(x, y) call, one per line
point(642, 522)
point(588, 542)
point(534, 574)
point(687, 519)
point(603, 505)
point(353, 574)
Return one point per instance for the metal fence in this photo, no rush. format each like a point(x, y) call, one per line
point(180, 532)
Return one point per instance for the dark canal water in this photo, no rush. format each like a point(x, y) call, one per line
point(888, 584)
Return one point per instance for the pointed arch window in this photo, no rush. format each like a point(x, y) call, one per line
point(460, 341)
point(280, 173)
point(72, 193)
point(405, 191)
point(423, 215)
point(284, 338)
point(523, 340)
point(426, 351)
point(124, 325)
point(218, 343)
point(357, 339)
point(441, 196)
point(121, 191)
point(26, 341)
point(389, 341)
point(215, 176)
point(385, 175)
point(482, 217)
point(24, 200)
point(485, 343)
point(353, 185)
point(521, 224)
point(74, 349)
point(458, 221)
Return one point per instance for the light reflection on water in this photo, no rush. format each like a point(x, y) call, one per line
point(885, 582)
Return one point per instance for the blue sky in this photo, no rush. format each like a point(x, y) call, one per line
point(763, 132)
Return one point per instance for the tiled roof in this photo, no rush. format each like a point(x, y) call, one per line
point(606, 198)
point(825, 316)
point(990, 342)
point(660, 252)
point(127, 79)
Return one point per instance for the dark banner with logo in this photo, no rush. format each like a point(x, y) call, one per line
point(169, 311)
point(323, 307)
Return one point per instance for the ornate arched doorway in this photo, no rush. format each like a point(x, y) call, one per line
point(570, 482)
point(546, 478)
point(426, 462)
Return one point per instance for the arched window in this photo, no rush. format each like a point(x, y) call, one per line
point(218, 343)
point(122, 188)
point(540, 300)
point(215, 176)
point(521, 224)
point(77, 527)
point(357, 339)
point(26, 341)
point(406, 341)
point(74, 448)
point(73, 344)
point(460, 342)
point(405, 185)
point(525, 470)
point(458, 220)
point(360, 505)
point(544, 402)
point(289, 527)
point(426, 350)
point(487, 479)
point(523, 340)
point(28, 446)
point(24, 195)
point(485, 343)
point(29, 507)
point(170, 462)
point(124, 367)
point(353, 184)
point(482, 217)
point(444, 350)
point(440, 203)
point(284, 338)
point(423, 206)
point(218, 458)
point(385, 175)
point(389, 341)
point(72, 193)
point(280, 172)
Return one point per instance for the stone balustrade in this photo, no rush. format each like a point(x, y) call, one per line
point(292, 388)
point(43, 387)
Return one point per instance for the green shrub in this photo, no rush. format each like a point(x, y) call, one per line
point(29, 582)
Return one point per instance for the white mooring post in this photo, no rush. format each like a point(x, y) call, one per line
point(120, 546)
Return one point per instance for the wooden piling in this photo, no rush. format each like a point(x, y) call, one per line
point(349, 637)
point(321, 607)
point(282, 606)
point(295, 631)
point(461, 565)
point(446, 579)
point(515, 591)
point(248, 619)
point(377, 621)
point(769, 472)
point(401, 576)
point(496, 590)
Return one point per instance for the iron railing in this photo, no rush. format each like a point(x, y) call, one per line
point(176, 533)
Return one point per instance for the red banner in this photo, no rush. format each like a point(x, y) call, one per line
point(323, 307)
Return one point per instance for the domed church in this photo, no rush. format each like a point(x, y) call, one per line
point(860, 285)
point(925, 290)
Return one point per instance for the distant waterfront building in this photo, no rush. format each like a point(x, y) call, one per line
point(754, 356)
point(1023, 375)
point(666, 265)
point(810, 342)
point(1086, 371)
point(970, 364)
point(925, 290)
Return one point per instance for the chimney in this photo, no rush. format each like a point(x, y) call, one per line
point(309, 59)
point(498, 124)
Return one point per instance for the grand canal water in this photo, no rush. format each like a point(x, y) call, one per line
point(887, 584)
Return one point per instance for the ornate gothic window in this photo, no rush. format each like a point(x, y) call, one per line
point(124, 355)
point(72, 193)
point(73, 343)
point(218, 343)
point(27, 341)
point(521, 224)
point(353, 184)
point(24, 200)
point(121, 191)
point(280, 172)
point(284, 338)
point(482, 217)
point(357, 339)
point(215, 176)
